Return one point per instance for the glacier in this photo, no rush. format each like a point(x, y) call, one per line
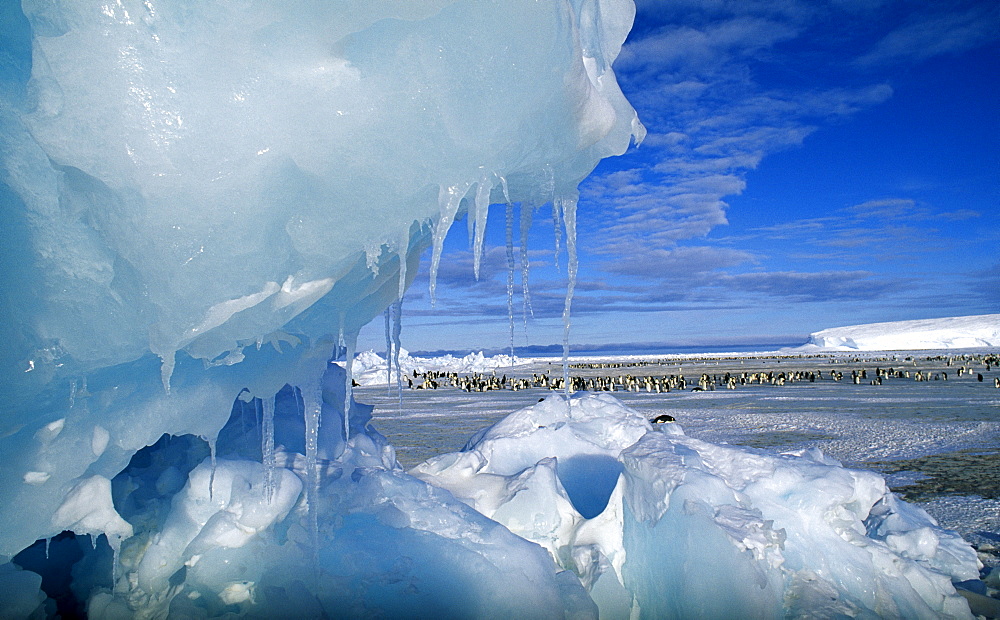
point(203, 203)
point(959, 332)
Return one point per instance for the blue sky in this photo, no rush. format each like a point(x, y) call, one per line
point(808, 165)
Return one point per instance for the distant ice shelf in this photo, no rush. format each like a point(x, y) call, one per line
point(960, 332)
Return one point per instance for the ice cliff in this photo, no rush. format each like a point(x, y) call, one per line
point(960, 332)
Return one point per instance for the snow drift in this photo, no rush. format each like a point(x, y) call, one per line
point(960, 332)
point(661, 525)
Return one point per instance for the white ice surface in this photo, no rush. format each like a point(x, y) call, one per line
point(371, 369)
point(959, 332)
point(591, 482)
point(88, 509)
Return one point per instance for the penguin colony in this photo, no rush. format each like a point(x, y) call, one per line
point(628, 382)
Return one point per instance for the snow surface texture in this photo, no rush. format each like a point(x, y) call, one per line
point(960, 332)
point(573, 508)
point(201, 198)
point(370, 369)
point(667, 526)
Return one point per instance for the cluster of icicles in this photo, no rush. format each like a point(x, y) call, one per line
point(451, 199)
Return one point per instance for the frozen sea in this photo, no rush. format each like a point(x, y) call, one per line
point(937, 441)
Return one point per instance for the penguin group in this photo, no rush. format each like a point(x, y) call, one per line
point(478, 382)
point(473, 382)
point(663, 383)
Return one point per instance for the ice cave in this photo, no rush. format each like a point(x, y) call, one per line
point(203, 202)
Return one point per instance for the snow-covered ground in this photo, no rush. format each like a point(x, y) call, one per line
point(958, 332)
point(938, 404)
point(561, 507)
point(370, 368)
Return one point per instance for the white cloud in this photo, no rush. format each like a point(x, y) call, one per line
point(929, 35)
point(884, 230)
point(679, 263)
point(819, 286)
point(906, 209)
point(669, 139)
point(688, 49)
point(709, 122)
point(893, 208)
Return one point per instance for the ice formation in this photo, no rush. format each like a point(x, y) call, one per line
point(662, 525)
point(201, 199)
point(202, 203)
point(960, 332)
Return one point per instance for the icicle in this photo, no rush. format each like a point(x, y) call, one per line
point(556, 224)
point(449, 199)
point(526, 213)
point(503, 186)
point(115, 550)
point(352, 342)
point(388, 353)
point(470, 225)
point(403, 251)
point(397, 328)
point(72, 395)
point(47, 541)
point(300, 405)
point(568, 206)
point(211, 477)
point(548, 188)
point(167, 361)
point(312, 412)
point(340, 335)
point(267, 445)
point(510, 273)
point(482, 210)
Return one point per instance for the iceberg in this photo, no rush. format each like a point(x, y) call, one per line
point(204, 199)
point(960, 332)
point(202, 204)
